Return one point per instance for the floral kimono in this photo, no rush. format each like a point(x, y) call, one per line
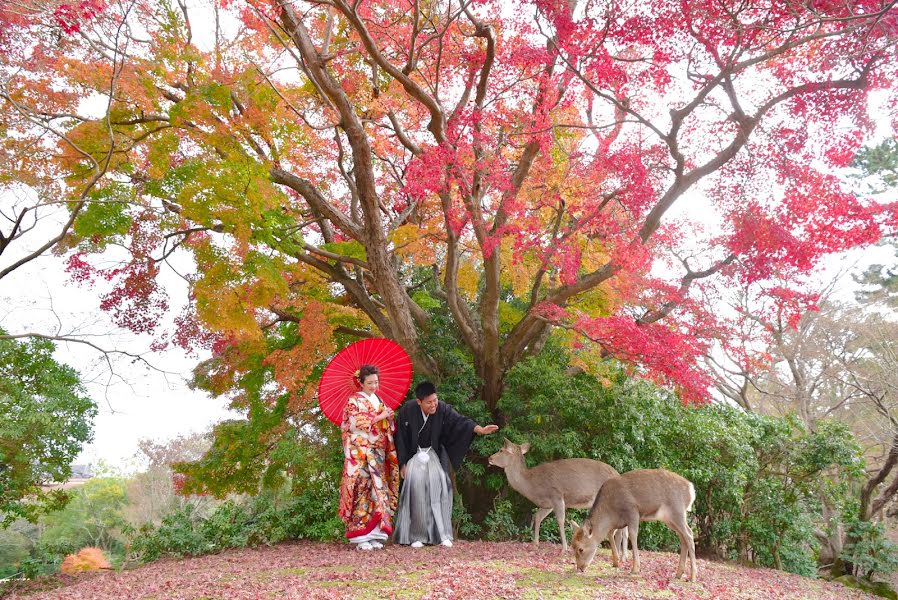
point(370, 484)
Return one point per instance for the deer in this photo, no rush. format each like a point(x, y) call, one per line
point(628, 499)
point(555, 486)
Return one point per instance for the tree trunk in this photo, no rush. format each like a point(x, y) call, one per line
point(477, 497)
point(831, 542)
point(742, 545)
point(491, 393)
point(872, 501)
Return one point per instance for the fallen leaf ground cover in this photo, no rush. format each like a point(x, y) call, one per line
point(469, 570)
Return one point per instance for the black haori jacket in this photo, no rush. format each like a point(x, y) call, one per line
point(452, 433)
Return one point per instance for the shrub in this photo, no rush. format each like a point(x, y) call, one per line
point(869, 551)
point(86, 559)
point(268, 518)
point(500, 523)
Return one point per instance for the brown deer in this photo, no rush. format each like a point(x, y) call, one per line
point(624, 501)
point(556, 485)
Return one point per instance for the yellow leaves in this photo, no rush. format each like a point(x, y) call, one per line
point(240, 302)
point(223, 309)
point(160, 150)
point(595, 303)
point(403, 236)
point(419, 241)
point(229, 305)
point(468, 279)
point(518, 271)
point(593, 254)
point(508, 316)
point(521, 281)
point(88, 138)
point(413, 242)
point(602, 300)
point(590, 359)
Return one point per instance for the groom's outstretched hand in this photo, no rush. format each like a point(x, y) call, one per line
point(486, 430)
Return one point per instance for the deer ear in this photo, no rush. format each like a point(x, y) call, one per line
point(525, 448)
point(587, 528)
point(573, 524)
point(506, 441)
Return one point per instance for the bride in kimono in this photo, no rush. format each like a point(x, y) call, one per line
point(370, 483)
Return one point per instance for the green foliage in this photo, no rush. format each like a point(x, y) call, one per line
point(105, 219)
point(351, 248)
point(15, 547)
point(47, 418)
point(280, 437)
point(93, 517)
point(881, 281)
point(461, 519)
point(294, 512)
point(880, 160)
point(501, 524)
point(878, 588)
point(869, 550)
point(45, 559)
point(425, 300)
point(755, 477)
point(238, 463)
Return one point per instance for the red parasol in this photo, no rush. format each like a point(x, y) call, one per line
point(339, 380)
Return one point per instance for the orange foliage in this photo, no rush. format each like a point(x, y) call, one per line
point(292, 366)
point(87, 559)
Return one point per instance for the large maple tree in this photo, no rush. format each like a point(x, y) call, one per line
point(598, 169)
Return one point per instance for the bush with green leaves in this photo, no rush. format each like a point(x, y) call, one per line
point(869, 551)
point(305, 509)
point(755, 477)
point(16, 543)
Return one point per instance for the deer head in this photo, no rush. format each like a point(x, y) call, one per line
point(584, 544)
point(509, 454)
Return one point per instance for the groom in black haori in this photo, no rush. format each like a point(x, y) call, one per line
point(429, 435)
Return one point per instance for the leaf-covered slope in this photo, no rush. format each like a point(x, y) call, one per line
point(469, 570)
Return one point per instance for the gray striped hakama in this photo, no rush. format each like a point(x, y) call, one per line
point(426, 494)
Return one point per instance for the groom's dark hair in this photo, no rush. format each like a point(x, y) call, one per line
point(424, 389)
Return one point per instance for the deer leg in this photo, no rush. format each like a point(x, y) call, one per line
point(559, 509)
point(693, 567)
point(687, 545)
point(624, 540)
point(538, 517)
point(615, 553)
point(633, 526)
point(620, 541)
point(683, 553)
point(690, 545)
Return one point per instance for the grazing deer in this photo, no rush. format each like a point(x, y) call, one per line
point(624, 501)
point(556, 485)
